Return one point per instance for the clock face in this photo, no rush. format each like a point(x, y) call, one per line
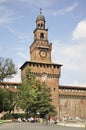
point(43, 53)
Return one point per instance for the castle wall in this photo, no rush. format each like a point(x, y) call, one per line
point(71, 100)
point(72, 103)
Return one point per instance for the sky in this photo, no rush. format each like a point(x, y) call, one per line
point(66, 23)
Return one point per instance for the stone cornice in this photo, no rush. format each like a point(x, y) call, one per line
point(41, 64)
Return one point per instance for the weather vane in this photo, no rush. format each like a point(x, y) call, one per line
point(40, 11)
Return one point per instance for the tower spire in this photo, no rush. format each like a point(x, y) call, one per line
point(40, 10)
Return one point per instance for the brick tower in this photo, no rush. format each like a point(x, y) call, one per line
point(40, 60)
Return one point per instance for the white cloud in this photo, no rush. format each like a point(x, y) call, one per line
point(6, 15)
point(63, 11)
point(72, 57)
point(71, 8)
point(38, 3)
point(80, 31)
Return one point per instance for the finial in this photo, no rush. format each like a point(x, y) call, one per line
point(40, 11)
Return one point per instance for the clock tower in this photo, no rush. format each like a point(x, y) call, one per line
point(40, 60)
point(40, 49)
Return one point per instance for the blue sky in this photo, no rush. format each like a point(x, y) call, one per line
point(66, 23)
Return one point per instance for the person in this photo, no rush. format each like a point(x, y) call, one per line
point(19, 120)
point(31, 119)
point(41, 120)
point(46, 119)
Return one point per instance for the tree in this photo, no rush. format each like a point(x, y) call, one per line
point(2, 96)
point(8, 100)
point(12, 101)
point(27, 90)
point(36, 97)
point(7, 68)
point(42, 101)
point(4, 100)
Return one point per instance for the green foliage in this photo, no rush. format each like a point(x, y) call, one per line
point(18, 115)
point(7, 116)
point(32, 96)
point(8, 100)
point(4, 101)
point(35, 97)
point(13, 99)
point(14, 115)
point(7, 70)
point(2, 98)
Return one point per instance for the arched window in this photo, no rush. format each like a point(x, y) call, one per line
point(38, 25)
point(41, 35)
point(41, 25)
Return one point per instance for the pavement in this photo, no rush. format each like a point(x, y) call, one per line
point(69, 124)
point(77, 124)
point(35, 126)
